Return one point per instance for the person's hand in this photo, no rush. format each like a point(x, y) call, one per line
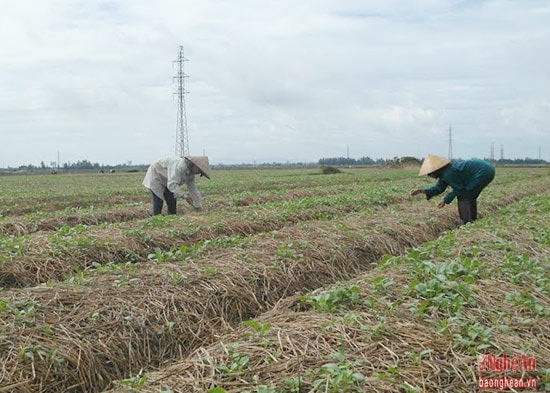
point(416, 191)
point(189, 200)
point(441, 204)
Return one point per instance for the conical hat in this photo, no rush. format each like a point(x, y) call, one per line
point(431, 164)
point(202, 163)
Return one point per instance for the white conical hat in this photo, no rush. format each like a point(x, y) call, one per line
point(202, 163)
point(431, 164)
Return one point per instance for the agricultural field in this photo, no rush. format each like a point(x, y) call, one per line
point(288, 281)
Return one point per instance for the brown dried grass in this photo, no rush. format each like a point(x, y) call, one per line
point(44, 259)
point(113, 325)
point(301, 340)
point(19, 227)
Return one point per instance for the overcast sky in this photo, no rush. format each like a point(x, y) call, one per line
point(273, 81)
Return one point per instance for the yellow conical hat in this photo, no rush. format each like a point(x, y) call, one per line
point(202, 163)
point(431, 164)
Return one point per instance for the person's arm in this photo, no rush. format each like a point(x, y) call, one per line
point(174, 174)
point(439, 187)
point(194, 194)
point(451, 196)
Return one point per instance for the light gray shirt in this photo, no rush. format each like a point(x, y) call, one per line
point(171, 173)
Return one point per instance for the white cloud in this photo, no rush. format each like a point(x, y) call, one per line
point(273, 81)
point(530, 119)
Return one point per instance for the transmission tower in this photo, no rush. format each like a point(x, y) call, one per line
point(182, 138)
point(450, 143)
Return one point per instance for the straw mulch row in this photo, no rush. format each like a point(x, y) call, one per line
point(19, 227)
point(111, 323)
point(51, 219)
point(377, 340)
point(115, 210)
point(48, 256)
point(53, 203)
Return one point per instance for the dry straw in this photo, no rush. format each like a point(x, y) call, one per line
point(80, 335)
point(411, 352)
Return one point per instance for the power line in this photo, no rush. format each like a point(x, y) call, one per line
point(182, 137)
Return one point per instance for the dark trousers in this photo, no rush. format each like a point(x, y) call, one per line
point(467, 210)
point(158, 202)
point(467, 204)
point(467, 201)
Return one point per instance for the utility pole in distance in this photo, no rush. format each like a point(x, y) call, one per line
point(182, 138)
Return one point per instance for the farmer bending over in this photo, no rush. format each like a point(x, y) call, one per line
point(467, 179)
point(164, 178)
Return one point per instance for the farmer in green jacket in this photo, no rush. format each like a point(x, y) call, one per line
point(467, 179)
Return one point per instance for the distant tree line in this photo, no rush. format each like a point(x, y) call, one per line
point(83, 165)
point(367, 161)
point(407, 160)
point(86, 165)
point(338, 161)
point(520, 161)
point(263, 165)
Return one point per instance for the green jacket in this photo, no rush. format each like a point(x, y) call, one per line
point(467, 179)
